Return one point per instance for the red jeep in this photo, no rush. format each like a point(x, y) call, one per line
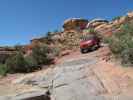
point(89, 43)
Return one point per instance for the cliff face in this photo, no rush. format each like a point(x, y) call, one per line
point(6, 52)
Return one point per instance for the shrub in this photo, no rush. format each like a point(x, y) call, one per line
point(20, 64)
point(127, 56)
point(56, 31)
point(3, 58)
point(116, 18)
point(55, 51)
point(48, 36)
point(30, 61)
point(40, 54)
point(18, 47)
point(3, 69)
point(121, 43)
point(31, 64)
point(17, 63)
point(90, 30)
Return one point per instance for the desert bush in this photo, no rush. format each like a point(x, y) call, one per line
point(30, 61)
point(116, 18)
point(90, 30)
point(55, 51)
point(48, 36)
point(18, 47)
point(20, 64)
point(127, 56)
point(3, 69)
point(31, 64)
point(56, 31)
point(17, 63)
point(40, 54)
point(3, 58)
point(121, 43)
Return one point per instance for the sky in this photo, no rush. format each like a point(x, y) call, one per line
point(23, 20)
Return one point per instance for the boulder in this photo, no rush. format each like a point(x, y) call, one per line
point(130, 14)
point(122, 20)
point(75, 24)
point(105, 29)
point(56, 37)
point(96, 22)
point(101, 26)
point(108, 28)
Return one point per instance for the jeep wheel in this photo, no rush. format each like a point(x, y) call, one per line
point(83, 50)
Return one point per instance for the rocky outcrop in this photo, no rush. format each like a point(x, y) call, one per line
point(108, 28)
point(63, 40)
point(130, 14)
point(75, 24)
point(74, 28)
point(96, 22)
point(71, 39)
point(6, 52)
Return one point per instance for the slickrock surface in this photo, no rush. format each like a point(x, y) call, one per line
point(76, 77)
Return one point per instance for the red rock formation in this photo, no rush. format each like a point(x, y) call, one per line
point(75, 24)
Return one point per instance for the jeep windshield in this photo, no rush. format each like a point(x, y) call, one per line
point(87, 37)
